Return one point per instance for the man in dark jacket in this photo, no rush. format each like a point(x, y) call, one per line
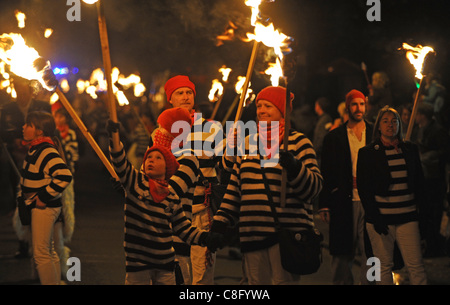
point(339, 203)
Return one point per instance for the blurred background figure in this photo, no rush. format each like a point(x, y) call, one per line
point(379, 95)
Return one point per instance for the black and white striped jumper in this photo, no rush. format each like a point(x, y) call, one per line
point(70, 145)
point(246, 202)
point(203, 151)
point(44, 173)
point(398, 204)
point(150, 226)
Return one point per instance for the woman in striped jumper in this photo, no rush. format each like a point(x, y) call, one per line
point(246, 203)
point(45, 175)
point(390, 183)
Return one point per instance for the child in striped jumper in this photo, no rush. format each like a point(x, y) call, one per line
point(153, 215)
point(45, 175)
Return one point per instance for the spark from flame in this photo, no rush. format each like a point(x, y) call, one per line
point(416, 56)
point(216, 90)
point(21, 58)
point(20, 18)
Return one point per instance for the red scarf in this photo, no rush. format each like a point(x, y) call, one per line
point(39, 141)
point(388, 144)
point(63, 130)
point(158, 189)
point(269, 136)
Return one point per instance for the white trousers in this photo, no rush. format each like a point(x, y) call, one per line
point(263, 267)
point(408, 240)
point(44, 256)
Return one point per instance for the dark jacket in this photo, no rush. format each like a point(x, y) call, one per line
point(374, 178)
point(336, 195)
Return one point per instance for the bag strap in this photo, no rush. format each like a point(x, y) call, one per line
point(271, 202)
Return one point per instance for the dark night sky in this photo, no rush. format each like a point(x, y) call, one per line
point(151, 37)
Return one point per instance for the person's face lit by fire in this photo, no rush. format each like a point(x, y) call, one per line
point(183, 97)
point(357, 109)
point(266, 111)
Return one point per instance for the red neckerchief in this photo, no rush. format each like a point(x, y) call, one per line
point(268, 135)
point(63, 130)
point(390, 144)
point(39, 141)
point(159, 189)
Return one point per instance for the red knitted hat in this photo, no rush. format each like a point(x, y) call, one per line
point(275, 95)
point(176, 82)
point(56, 105)
point(171, 162)
point(170, 116)
point(352, 95)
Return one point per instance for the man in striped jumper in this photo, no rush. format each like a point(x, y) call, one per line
point(206, 142)
point(246, 202)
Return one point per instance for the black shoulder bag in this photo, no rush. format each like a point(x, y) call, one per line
point(300, 251)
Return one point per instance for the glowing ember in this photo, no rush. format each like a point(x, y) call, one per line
point(20, 19)
point(416, 56)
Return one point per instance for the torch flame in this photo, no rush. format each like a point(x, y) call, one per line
point(216, 88)
point(416, 56)
point(21, 58)
point(225, 73)
point(20, 19)
point(275, 71)
point(239, 87)
point(271, 38)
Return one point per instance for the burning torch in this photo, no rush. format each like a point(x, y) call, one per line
point(416, 56)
